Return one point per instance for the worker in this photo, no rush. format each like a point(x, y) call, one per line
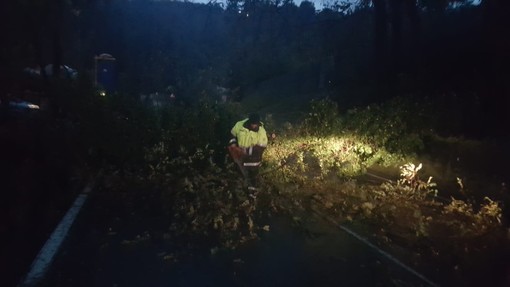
point(247, 146)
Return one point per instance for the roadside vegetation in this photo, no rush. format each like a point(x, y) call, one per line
point(175, 156)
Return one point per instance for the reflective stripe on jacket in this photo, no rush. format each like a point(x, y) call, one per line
point(247, 138)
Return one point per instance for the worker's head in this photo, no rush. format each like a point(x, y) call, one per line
point(254, 121)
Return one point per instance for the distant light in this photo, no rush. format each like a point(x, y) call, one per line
point(23, 105)
point(33, 107)
point(102, 93)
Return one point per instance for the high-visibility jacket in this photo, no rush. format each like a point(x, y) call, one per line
point(247, 138)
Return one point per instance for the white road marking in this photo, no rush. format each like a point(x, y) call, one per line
point(380, 251)
point(47, 253)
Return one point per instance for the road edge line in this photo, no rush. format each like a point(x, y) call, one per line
point(45, 257)
point(377, 249)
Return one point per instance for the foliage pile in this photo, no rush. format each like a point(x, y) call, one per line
point(322, 158)
point(308, 158)
point(409, 206)
point(203, 194)
point(205, 197)
point(328, 143)
point(176, 152)
point(409, 209)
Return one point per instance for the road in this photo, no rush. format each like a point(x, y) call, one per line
point(36, 188)
point(96, 254)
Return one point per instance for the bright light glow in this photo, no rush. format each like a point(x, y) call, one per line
point(24, 105)
point(102, 93)
point(336, 144)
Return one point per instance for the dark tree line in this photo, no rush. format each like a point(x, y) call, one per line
point(373, 50)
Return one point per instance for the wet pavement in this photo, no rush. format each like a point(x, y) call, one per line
point(36, 189)
point(316, 253)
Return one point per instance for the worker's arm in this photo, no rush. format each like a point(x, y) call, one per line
point(235, 133)
point(262, 137)
point(237, 127)
point(233, 139)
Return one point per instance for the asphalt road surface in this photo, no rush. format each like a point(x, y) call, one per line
point(96, 254)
